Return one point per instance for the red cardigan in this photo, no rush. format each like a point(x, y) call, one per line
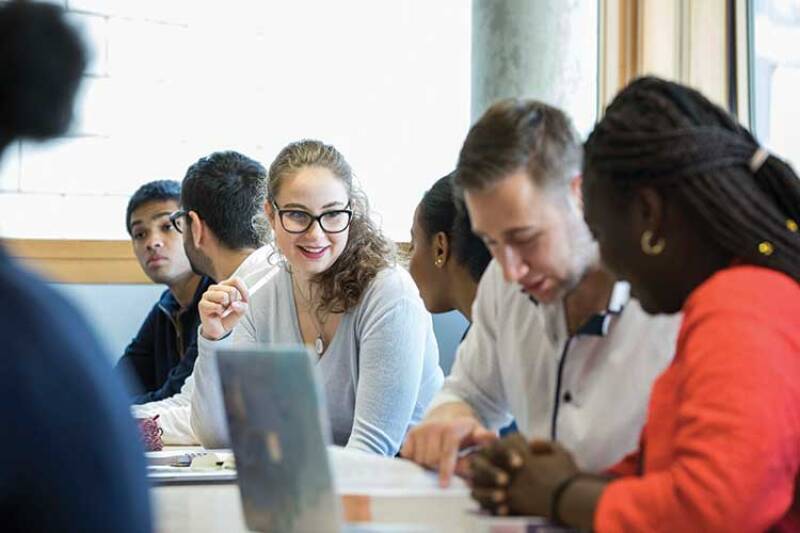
point(721, 446)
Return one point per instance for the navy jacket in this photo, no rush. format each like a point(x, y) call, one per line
point(153, 357)
point(72, 459)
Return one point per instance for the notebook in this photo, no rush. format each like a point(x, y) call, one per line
point(190, 465)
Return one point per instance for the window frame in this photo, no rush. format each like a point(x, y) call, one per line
point(79, 261)
point(636, 40)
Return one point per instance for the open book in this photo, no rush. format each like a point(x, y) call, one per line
point(356, 472)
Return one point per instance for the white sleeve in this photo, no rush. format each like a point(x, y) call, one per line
point(475, 378)
point(208, 420)
point(173, 415)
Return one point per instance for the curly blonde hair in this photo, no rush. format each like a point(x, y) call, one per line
point(367, 250)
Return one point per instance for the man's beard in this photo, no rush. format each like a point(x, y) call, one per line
point(200, 263)
point(585, 251)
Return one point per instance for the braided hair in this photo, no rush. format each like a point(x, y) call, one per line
point(671, 137)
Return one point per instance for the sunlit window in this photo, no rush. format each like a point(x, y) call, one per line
point(775, 75)
point(388, 83)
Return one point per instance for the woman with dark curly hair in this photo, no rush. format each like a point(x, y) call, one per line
point(339, 292)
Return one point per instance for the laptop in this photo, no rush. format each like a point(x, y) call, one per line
point(279, 433)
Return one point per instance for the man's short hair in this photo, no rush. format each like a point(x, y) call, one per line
point(155, 191)
point(227, 190)
point(517, 134)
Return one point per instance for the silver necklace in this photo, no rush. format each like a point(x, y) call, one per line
point(319, 342)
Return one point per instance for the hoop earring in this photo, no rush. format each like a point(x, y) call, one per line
point(652, 249)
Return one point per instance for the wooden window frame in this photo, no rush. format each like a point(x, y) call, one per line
point(742, 51)
point(96, 262)
point(79, 261)
point(687, 41)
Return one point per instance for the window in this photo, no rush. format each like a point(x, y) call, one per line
point(775, 75)
point(388, 83)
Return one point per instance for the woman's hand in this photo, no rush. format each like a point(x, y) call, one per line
point(221, 308)
point(512, 476)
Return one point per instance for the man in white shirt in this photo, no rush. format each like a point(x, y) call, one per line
point(222, 197)
point(556, 342)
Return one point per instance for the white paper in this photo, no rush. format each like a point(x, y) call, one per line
point(356, 472)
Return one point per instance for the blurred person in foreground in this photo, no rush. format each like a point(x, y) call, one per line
point(73, 460)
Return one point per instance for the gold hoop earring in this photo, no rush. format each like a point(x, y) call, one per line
point(652, 249)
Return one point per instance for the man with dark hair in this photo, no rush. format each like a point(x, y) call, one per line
point(224, 193)
point(162, 354)
point(221, 222)
point(71, 457)
point(556, 342)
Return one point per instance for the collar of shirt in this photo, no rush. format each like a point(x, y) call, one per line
point(170, 306)
point(598, 324)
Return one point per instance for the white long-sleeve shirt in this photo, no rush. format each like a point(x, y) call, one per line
point(589, 391)
point(174, 413)
point(379, 372)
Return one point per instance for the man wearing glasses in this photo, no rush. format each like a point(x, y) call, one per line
point(162, 354)
point(220, 227)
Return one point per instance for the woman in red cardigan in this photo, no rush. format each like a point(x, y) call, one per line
point(689, 209)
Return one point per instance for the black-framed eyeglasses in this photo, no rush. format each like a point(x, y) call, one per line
point(299, 221)
point(175, 219)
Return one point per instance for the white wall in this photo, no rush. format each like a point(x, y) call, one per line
point(543, 49)
point(170, 81)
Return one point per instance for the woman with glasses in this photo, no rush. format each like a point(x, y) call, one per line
point(339, 292)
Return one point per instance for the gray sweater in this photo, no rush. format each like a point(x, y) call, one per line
point(379, 372)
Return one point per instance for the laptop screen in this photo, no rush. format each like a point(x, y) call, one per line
point(279, 432)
